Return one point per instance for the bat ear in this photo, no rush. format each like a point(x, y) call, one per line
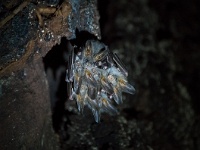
point(96, 76)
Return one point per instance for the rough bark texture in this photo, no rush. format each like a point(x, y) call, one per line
point(158, 43)
point(27, 34)
point(28, 30)
point(25, 106)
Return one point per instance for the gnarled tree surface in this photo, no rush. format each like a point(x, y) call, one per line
point(158, 43)
point(28, 30)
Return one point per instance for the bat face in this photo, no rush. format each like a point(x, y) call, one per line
point(97, 78)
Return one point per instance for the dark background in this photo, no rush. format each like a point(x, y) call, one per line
point(159, 43)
